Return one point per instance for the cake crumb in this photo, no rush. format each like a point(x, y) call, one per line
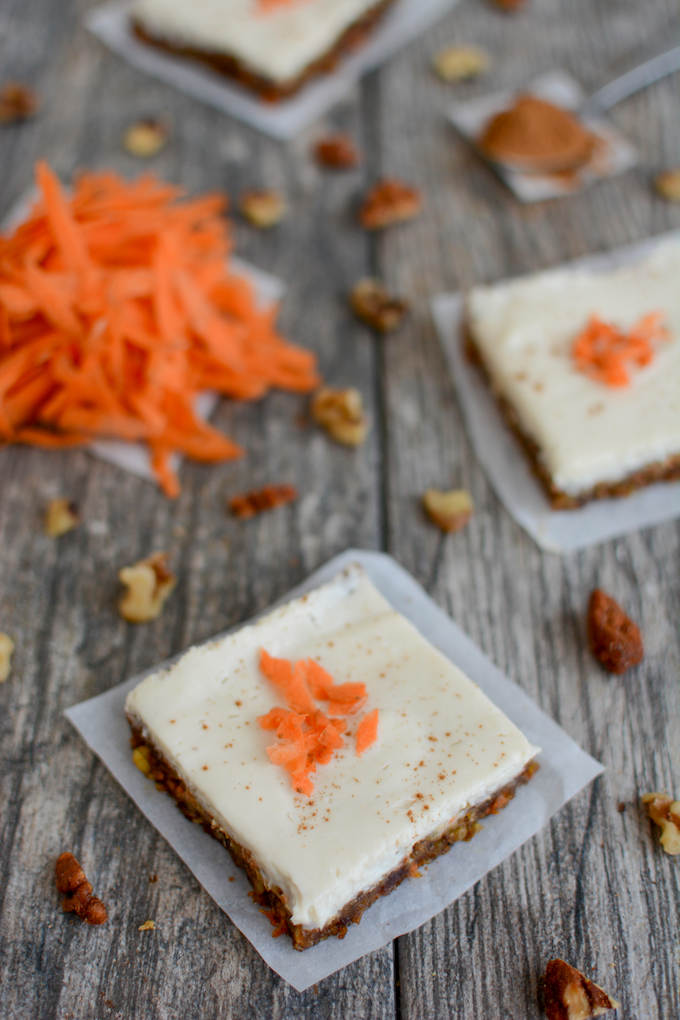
point(249, 504)
point(337, 152)
point(17, 102)
point(71, 882)
point(615, 641)
point(147, 926)
point(388, 202)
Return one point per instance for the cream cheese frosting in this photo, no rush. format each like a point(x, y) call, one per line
point(278, 43)
point(587, 432)
point(442, 745)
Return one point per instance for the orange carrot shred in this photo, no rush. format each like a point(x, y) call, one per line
point(367, 732)
point(603, 352)
point(117, 308)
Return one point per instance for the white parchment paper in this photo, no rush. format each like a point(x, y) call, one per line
point(565, 769)
point(558, 87)
point(285, 119)
point(506, 464)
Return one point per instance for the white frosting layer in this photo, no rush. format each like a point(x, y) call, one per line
point(587, 432)
point(442, 745)
point(279, 43)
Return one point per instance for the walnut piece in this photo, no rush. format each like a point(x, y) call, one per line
point(148, 583)
point(458, 63)
point(61, 516)
point(341, 413)
point(146, 138)
point(263, 208)
point(615, 640)
point(72, 883)
point(665, 812)
point(372, 303)
point(17, 102)
point(147, 926)
point(450, 511)
point(6, 649)
point(337, 152)
point(389, 201)
point(570, 995)
point(248, 504)
point(667, 185)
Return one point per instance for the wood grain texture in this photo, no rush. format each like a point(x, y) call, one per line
point(593, 886)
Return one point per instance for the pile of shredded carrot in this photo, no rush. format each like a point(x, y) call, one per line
point(117, 307)
point(309, 737)
point(604, 352)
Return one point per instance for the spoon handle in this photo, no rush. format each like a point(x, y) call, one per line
point(646, 74)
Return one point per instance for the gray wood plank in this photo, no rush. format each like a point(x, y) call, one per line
point(593, 887)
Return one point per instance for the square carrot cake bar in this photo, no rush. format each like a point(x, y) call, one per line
point(585, 365)
point(271, 46)
point(330, 748)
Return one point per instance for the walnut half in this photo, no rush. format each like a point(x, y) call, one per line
point(570, 995)
point(665, 812)
point(389, 201)
point(450, 511)
point(341, 413)
point(148, 583)
point(374, 305)
point(6, 649)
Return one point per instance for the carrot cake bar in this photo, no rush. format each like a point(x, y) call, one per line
point(272, 46)
point(586, 368)
point(330, 748)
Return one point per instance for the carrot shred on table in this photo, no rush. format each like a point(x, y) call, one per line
point(309, 736)
point(603, 351)
point(367, 731)
point(117, 308)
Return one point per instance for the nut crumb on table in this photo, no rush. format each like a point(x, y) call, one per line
point(61, 517)
point(615, 640)
point(450, 511)
point(372, 303)
point(389, 201)
point(6, 649)
point(337, 152)
point(146, 137)
point(263, 209)
point(248, 504)
point(667, 185)
point(17, 102)
point(147, 926)
point(570, 995)
point(665, 812)
point(341, 413)
point(148, 584)
point(458, 63)
point(71, 882)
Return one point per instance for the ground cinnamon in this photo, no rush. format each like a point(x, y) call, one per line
point(536, 135)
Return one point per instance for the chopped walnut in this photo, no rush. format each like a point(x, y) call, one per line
point(17, 102)
point(389, 201)
point(615, 640)
point(147, 926)
point(570, 995)
point(457, 63)
point(665, 812)
point(146, 138)
point(450, 511)
point(61, 516)
point(263, 208)
point(668, 185)
point(148, 583)
point(251, 503)
point(72, 883)
point(341, 413)
point(338, 152)
point(372, 303)
point(140, 757)
point(6, 649)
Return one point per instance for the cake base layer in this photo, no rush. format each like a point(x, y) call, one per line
point(667, 471)
point(232, 67)
point(272, 900)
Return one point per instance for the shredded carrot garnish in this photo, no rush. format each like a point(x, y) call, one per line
point(117, 308)
point(604, 352)
point(367, 732)
point(307, 735)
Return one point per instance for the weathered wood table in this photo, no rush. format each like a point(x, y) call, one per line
point(593, 887)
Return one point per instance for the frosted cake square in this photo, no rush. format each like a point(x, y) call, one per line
point(271, 46)
point(219, 730)
point(585, 366)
